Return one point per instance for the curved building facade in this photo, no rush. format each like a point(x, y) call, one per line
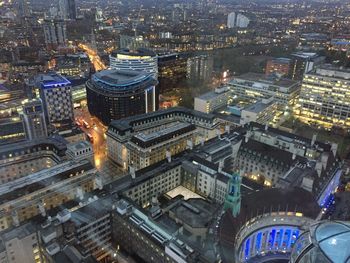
point(139, 60)
point(116, 94)
point(268, 225)
point(326, 242)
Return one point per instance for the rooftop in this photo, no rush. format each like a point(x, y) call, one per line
point(119, 78)
point(51, 80)
point(258, 107)
point(264, 79)
point(139, 52)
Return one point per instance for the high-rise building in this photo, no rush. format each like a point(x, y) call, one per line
point(200, 68)
point(55, 33)
point(33, 118)
point(67, 9)
point(56, 95)
point(23, 8)
point(303, 62)
point(231, 20)
point(135, 60)
point(237, 20)
point(116, 94)
point(325, 97)
point(242, 21)
point(279, 66)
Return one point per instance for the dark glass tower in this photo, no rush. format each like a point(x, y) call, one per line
point(115, 94)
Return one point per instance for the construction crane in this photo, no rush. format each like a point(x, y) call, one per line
point(136, 23)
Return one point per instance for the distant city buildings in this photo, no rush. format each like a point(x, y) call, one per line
point(115, 94)
point(55, 33)
point(324, 98)
point(237, 20)
point(280, 66)
point(133, 42)
point(67, 9)
point(200, 68)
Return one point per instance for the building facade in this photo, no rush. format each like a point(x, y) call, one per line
point(324, 97)
point(56, 95)
point(33, 118)
point(138, 60)
point(55, 33)
point(213, 100)
point(116, 94)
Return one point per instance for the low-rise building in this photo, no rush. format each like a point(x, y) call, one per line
point(212, 100)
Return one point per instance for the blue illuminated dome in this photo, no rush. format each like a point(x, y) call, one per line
point(327, 241)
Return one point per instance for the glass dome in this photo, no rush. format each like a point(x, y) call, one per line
point(326, 241)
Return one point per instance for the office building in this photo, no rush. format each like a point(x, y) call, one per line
point(255, 86)
point(121, 132)
point(213, 100)
point(56, 95)
point(137, 60)
point(263, 112)
point(67, 9)
point(133, 42)
point(20, 245)
point(11, 130)
point(231, 20)
point(55, 33)
point(145, 148)
point(304, 62)
point(280, 66)
point(33, 118)
point(26, 157)
point(34, 194)
point(313, 41)
point(200, 68)
point(116, 94)
point(324, 97)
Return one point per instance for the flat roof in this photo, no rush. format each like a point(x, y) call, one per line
point(266, 79)
point(137, 52)
point(51, 80)
point(258, 107)
point(120, 78)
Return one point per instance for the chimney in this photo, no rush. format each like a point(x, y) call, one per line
point(266, 127)
point(294, 155)
point(132, 172)
point(246, 139)
point(227, 129)
point(168, 156)
point(313, 139)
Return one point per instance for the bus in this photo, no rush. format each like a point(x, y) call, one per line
point(86, 125)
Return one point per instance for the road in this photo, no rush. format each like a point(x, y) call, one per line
point(106, 167)
point(94, 57)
